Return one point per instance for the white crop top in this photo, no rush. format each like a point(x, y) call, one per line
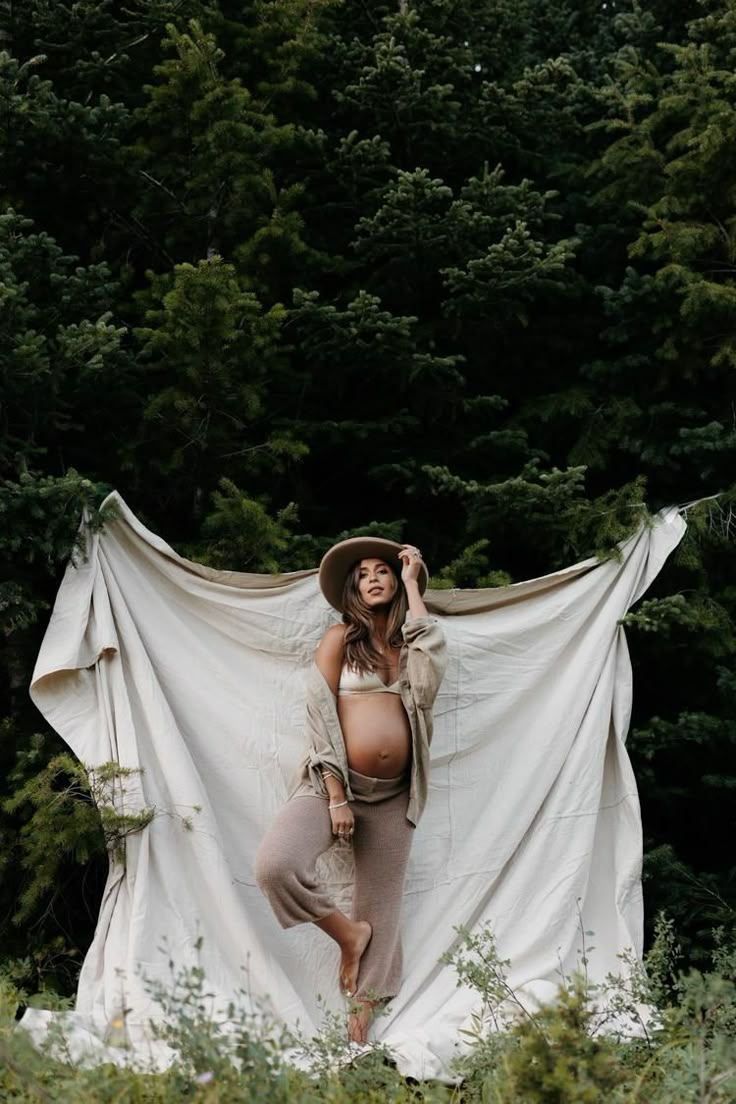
point(353, 682)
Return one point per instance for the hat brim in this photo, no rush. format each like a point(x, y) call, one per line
point(337, 562)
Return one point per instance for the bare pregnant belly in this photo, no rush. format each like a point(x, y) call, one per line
point(376, 732)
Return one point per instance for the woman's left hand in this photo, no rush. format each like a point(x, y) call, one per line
point(411, 561)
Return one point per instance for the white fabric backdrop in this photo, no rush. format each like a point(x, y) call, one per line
point(196, 677)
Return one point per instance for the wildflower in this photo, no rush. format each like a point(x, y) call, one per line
point(204, 1078)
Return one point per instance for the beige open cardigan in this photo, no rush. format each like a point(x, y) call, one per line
point(422, 663)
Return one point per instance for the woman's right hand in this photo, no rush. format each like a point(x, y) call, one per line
point(343, 822)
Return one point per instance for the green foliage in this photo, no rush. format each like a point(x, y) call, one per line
point(204, 155)
point(76, 812)
point(48, 136)
point(700, 901)
point(578, 1047)
point(554, 503)
point(215, 344)
point(40, 531)
point(555, 1053)
point(89, 43)
point(511, 273)
point(558, 1059)
point(670, 122)
point(206, 1046)
point(228, 1054)
point(665, 616)
point(241, 533)
point(341, 1073)
point(470, 569)
point(60, 351)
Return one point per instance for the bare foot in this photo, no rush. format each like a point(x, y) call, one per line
point(352, 952)
point(360, 1021)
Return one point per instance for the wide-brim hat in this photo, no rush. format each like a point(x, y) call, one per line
point(337, 562)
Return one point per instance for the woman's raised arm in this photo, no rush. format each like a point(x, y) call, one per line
point(411, 566)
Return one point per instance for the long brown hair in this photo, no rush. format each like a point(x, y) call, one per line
point(360, 653)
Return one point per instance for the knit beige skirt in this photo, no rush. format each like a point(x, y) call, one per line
point(286, 871)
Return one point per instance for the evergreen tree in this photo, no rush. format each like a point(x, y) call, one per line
point(211, 347)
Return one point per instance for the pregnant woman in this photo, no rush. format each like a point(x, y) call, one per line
point(370, 693)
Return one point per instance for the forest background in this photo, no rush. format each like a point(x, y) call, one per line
point(454, 271)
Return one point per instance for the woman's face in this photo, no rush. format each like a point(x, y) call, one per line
point(376, 582)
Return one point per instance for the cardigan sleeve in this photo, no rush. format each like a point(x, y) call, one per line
point(426, 658)
point(325, 744)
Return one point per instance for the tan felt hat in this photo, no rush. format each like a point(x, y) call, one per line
point(337, 562)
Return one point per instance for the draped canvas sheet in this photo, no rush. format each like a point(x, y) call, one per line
point(195, 678)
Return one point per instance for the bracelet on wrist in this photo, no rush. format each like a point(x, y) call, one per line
point(338, 805)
